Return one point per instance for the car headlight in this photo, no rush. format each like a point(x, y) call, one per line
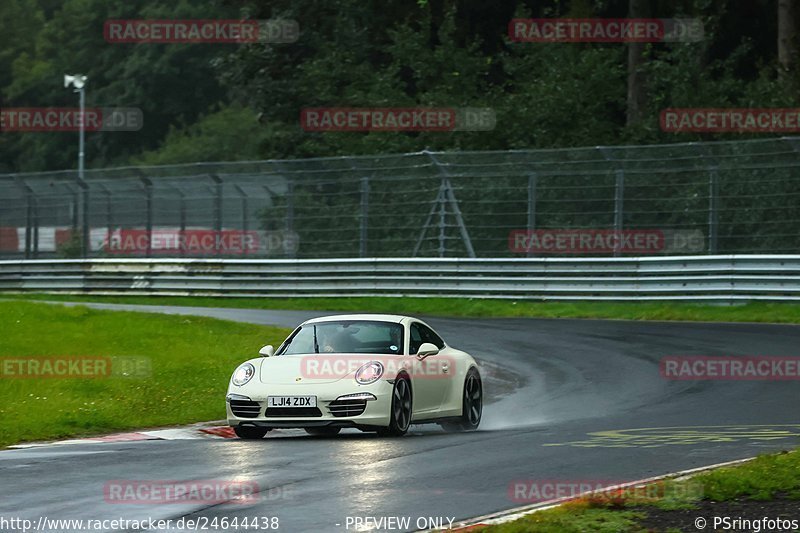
point(369, 373)
point(243, 374)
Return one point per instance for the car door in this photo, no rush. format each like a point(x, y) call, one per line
point(431, 376)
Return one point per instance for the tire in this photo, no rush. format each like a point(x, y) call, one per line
point(401, 409)
point(250, 432)
point(471, 404)
point(323, 431)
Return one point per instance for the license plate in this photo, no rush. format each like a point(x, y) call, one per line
point(291, 401)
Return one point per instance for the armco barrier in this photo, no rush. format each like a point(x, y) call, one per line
point(720, 278)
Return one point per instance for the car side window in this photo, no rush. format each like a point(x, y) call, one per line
point(428, 335)
point(416, 338)
point(420, 334)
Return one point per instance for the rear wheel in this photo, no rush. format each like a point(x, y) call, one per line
point(471, 404)
point(323, 431)
point(401, 409)
point(250, 432)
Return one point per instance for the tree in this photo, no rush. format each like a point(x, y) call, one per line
point(173, 84)
point(636, 89)
point(787, 35)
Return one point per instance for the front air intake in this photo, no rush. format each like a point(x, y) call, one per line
point(245, 408)
point(341, 408)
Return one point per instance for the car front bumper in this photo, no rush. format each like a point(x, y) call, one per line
point(248, 406)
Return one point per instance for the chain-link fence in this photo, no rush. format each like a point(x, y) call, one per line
point(724, 197)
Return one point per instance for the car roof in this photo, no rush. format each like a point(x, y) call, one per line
point(375, 317)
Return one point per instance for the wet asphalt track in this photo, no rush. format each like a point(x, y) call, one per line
point(557, 382)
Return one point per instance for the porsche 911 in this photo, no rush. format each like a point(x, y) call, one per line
point(374, 373)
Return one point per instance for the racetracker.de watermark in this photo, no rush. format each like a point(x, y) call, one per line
point(730, 368)
point(205, 491)
point(334, 366)
point(594, 241)
point(327, 119)
point(730, 120)
point(75, 367)
point(599, 30)
point(537, 491)
point(42, 119)
point(199, 241)
point(274, 31)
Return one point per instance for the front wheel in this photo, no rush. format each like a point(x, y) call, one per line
point(400, 410)
point(471, 404)
point(250, 432)
point(323, 431)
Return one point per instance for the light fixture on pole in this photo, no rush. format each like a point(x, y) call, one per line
point(78, 81)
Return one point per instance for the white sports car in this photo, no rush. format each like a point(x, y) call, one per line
point(371, 372)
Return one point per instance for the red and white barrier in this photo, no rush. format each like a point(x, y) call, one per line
point(161, 241)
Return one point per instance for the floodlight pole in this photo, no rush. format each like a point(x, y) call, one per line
point(85, 241)
point(78, 82)
point(82, 140)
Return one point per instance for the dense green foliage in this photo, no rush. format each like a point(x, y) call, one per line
point(233, 102)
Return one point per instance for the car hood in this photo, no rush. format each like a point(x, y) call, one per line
point(319, 368)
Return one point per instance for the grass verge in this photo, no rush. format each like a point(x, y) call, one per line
point(767, 486)
point(473, 307)
point(189, 361)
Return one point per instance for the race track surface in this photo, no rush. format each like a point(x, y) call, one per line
point(555, 384)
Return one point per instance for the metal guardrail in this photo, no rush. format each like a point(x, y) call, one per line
point(724, 278)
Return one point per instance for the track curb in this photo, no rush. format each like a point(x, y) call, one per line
point(510, 515)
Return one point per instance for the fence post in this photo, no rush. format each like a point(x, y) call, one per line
point(217, 210)
point(36, 222)
point(713, 209)
point(245, 220)
point(290, 205)
point(364, 217)
point(109, 216)
point(532, 182)
point(85, 247)
point(181, 220)
point(619, 198)
point(442, 221)
point(30, 199)
point(148, 199)
point(713, 195)
point(75, 209)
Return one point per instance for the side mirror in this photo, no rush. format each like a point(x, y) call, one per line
point(267, 351)
point(427, 349)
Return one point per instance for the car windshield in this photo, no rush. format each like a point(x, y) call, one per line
point(345, 336)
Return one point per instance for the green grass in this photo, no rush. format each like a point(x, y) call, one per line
point(763, 478)
point(191, 360)
point(760, 479)
point(474, 307)
point(570, 518)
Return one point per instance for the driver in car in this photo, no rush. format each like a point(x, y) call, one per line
point(341, 342)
